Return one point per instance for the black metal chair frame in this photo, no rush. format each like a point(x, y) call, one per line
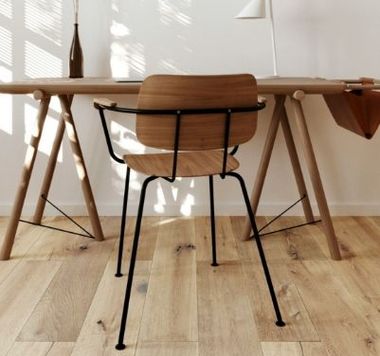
point(179, 113)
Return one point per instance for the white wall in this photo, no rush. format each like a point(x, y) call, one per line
point(324, 38)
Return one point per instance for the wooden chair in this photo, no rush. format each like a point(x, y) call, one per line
point(197, 119)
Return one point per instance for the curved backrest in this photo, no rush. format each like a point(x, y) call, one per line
point(201, 131)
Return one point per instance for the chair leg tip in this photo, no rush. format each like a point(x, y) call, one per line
point(214, 264)
point(280, 323)
point(120, 347)
point(118, 275)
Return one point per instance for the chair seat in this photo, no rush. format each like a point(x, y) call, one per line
point(189, 164)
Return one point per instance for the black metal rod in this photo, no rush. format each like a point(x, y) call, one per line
point(67, 216)
point(120, 345)
point(279, 321)
point(226, 140)
point(257, 107)
point(291, 227)
point(108, 139)
point(285, 211)
point(176, 146)
point(212, 220)
point(234, 150)
point(122, 225)
point(56, 228)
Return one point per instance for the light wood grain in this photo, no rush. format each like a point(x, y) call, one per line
point(19, 294)
point(225, 241)
point(281, 349)
point(60, 314)
point(299, 326)
point(331, 307)
point(226, 326)
point(189, 164)
point(61, 349)
point(313, 349)
point(197, 132)
point(100, 329)
point(335, 314)
point(172, 315)
point(57, 86)
point(30, 348)
point(168, 349)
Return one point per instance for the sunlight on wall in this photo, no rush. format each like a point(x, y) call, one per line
point(40, 63)
point(187, 205)
point(128, 59)
point(6, 8)
point(170, 12)
point(44, 17)
point(5, 72)
point(48, 134)
point(159, 207)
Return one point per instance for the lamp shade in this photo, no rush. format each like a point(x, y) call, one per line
point(253, 10)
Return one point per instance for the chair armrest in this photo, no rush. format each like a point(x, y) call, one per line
point(262, 99)
point(104, 103)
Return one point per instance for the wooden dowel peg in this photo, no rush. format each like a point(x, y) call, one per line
point(39, 95)
point(299, 95)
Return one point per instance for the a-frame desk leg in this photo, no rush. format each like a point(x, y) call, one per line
point(39, 211)
point(27, 169)
point(81, 167)
point(315, 178)
point(279, 115)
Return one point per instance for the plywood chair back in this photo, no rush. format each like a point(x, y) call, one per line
point(201, 131)
point(357, 111)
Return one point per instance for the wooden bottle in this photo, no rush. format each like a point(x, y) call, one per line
point(76, 56)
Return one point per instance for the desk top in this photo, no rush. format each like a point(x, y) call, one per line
point(66, 86)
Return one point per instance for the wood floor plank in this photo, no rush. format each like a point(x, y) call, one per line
point(57, 245)
point(19, 294)
point(30, 348)
point(281, 247)
point(60, 314)
point(61, 349)
point(341, 326)
point(313, 349)
point(170, 312)
point(6, 267)
point(281, 349)
point(100, 330)
point(52, 289)
point(168, 349)
point(226, 324)
point(299, 326)
point(226, 244)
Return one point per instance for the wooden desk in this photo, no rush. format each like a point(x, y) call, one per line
point(65, 89)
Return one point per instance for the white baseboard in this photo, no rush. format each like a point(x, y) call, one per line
point(230, 209)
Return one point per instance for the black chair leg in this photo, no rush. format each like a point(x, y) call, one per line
point(122, 226)
point(212, 219)
point(279, 321)
point(120, 345)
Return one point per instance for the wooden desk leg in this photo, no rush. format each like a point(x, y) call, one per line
point(30, 158)
point(296, 166)
point(39, 212)
point(315, 176)
point(81, 168)
point(264, 162)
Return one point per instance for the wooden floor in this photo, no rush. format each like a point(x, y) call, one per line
point(58, 294)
